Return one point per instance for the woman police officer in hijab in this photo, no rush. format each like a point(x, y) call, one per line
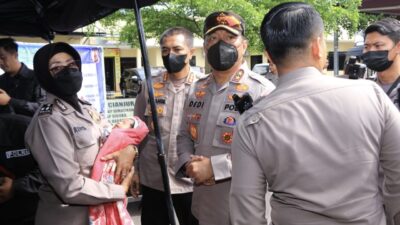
point(64, 139)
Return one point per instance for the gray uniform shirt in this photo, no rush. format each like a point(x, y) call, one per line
point(207, 129)
point(65, 144)
point(169, 102)
point(394, 93)
point(317, 142)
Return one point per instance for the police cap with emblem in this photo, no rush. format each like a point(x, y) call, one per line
point(229, 21)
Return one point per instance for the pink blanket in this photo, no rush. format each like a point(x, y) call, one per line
point(114, 213)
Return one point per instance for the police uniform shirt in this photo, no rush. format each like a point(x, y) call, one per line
point(169, 102)
point(317, 142)
point(394, 94)
point(207, 129)
point(65, 144)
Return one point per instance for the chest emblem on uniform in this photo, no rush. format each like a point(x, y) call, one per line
point(227, 137)
point(237, 76)
point(158, 94)
point(242, 87)
point(200, 94)
point(230, 121)
point(94, 115)
point(193, 131)
point(160, 110)
point(195, 117)
point(158, 85)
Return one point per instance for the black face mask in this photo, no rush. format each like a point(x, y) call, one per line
point(222, 56)
point(174, 63)
point(68, 82)
point(377, 60)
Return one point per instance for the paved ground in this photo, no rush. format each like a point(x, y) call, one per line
point(134, 210)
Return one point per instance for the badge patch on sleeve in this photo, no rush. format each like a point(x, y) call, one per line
point(46, 109)
point(193, 131)
point(230, 121)
point(227, 137)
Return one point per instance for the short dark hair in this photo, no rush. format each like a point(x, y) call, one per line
point(178, 30)
point(9, 45)
point(388, 27)
point(288, 28)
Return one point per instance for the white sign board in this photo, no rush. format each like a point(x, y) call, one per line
point(119, 108)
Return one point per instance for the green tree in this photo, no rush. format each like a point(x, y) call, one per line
point(337, 14)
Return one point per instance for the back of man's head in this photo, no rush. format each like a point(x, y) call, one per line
point(388, 27)
point(287, 30)
point(176, 31)
point(9, 45)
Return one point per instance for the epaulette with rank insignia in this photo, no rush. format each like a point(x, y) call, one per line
point(257, 77)
point(46, 109)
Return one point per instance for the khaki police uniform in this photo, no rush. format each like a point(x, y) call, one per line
point(169, 102)
point(207, 129)
point(65, 144)
point(317, 142)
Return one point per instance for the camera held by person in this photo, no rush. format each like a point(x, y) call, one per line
point(354, 69)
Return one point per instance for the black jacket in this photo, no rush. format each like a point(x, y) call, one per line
point(17, 161)
point(24, 90)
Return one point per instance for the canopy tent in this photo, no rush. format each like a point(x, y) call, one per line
point(389, 7)
point(41, 18)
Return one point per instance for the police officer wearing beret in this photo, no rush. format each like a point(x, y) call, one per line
point(316, 142)
point(64, 138)
point(206, 134)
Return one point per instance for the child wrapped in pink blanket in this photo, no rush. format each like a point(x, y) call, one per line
point(130, 131)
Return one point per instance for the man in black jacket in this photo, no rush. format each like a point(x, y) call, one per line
point(20, 93)
point(20, 178)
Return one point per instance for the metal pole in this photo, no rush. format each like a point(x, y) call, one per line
point(160, 147)
point(336, 53)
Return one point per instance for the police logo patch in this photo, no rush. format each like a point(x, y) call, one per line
point(193, 131)
point(227, 137)
point(230, 121)
point(160, 110)
point(195, 117)
point(94, 115)
point(242, 87)
point(158, 85)
point(200, 94)
point(158, 94)
point(46, 109)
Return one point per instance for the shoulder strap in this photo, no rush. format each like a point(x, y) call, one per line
point(394, 85)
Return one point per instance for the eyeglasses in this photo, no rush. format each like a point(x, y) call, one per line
point(58, 66)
